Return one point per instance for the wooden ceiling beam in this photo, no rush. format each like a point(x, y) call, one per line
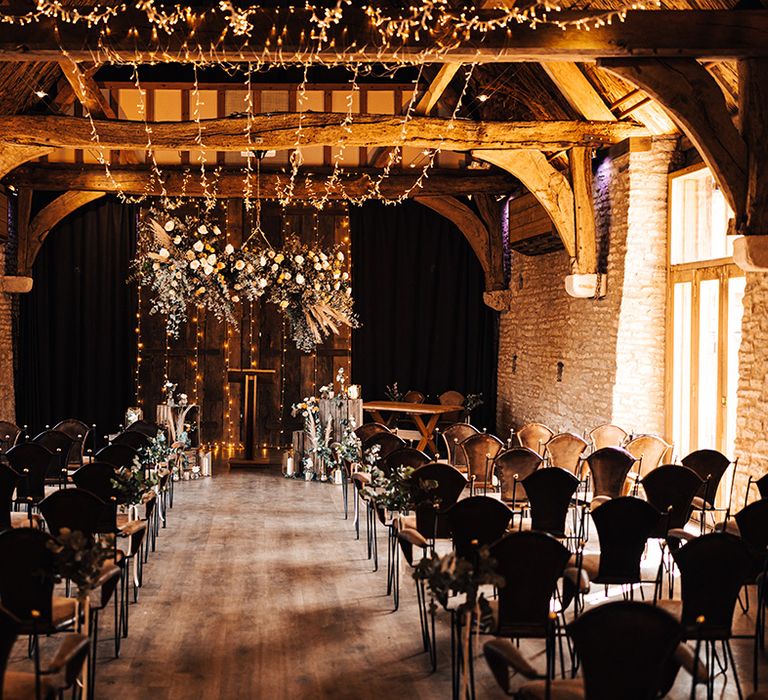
point(580, 160)
point(550, 187)
point(707, 34)
point(692, 97)
point(57, 177)
point(31, 240)
point(11, 157)
point(278, 132)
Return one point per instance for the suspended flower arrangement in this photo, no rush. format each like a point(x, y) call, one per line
point(184, 262)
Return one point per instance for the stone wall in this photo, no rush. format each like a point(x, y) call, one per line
point(752, 417)
point(575, 363)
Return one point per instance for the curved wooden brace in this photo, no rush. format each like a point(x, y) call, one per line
point(12, 157)
point(46, 219)
point(690, 94)
point(550, 187)
point(474, 230)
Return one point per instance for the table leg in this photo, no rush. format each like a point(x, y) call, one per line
point(426, 431)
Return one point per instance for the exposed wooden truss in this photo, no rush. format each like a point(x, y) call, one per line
point(580, 160)
point(278, 131)
point(230, 183)
point(577, 90)
point(39, 227)
point(753, 107)
point(673, 33)
point(12, 157)
point(692, 97)
point(550, 187)
point(476, 231)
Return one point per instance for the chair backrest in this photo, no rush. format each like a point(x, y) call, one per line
point(713, 569)
point(405, 457)
point(32, 462)
point(387, 442)
point(8, 480)
point(96, 477)
point(651, 450)
point(475, 522)
point(623, 526)
point(142, 426)
point(119, 455)
point(531, 564)
point(9, 435)
point(710, 465)
point(670, 489)
point(607, 435)
point(753, 528)
point(549, 494)
point(762, 486)
point(564, 450)
point(534, 436)
point(9, 630)
point(451, 398)
point(132, 438)
point(512, 467)
point(75, 509)
point(479, 452)
point(367, 430)
point(450, 483)
point(27, 585)
point(79, 432)
point(60, 445)
point(414, 396)
point(609, 467)
point(453, 435)
point(620, 664)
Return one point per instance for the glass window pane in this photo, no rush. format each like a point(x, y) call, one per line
point(699, 219)
point(709, 297)
point(681, 370)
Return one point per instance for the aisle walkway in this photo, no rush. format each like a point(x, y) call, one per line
point(259, 590)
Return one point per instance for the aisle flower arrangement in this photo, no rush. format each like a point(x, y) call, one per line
point(184, 261)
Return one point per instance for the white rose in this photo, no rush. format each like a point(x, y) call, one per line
point(163, 253)
point(299, 259)
point(299, 279)
point(207, 269)
point(202, 229)
point(190, 255)
point(239, 265)
point(198, 246)
point(318, 266)
point(275, 268)
point(323, 256)
point(217, 230)
point(287, 275)
point(235, 298)
point(262, 261)
point(155, 265)
point(340, 255)
point(345, 276)
point(177, 240)
point(169, 226)
point(262, 283)
point(229, 249)
point(194, 264)
point(212, 259)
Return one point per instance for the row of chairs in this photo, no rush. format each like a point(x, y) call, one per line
point(86, 503)
point(618, 559)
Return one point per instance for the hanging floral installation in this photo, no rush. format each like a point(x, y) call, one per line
point(184, 262)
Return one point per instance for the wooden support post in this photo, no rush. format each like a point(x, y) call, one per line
point(580, 160)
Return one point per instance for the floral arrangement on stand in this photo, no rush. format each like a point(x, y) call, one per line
point(134, 484)
point(184, 261)
point(79, 559)
point(399, 492)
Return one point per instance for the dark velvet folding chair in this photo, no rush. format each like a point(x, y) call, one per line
point(367, 430)
point(534, 436)
point(475, 522)
point(609, 467)
point(479, 452)
point(80, 435)
point(512, 467)
point(118, 455)
point(142, 426)
point(132, 438)
point(711, 466)
point(8, 480)
point(550, 494)
point(32, 462)
point(453, 436)
point(615, 663)
point(607, 435)
point(60, 444)
point(9, 435)
point(565, 450)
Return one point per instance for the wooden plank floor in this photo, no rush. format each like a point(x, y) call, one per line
point(259, 590)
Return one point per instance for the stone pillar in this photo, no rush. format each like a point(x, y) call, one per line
point(575, 363)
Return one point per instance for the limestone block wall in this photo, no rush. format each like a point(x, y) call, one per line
point(576, 363)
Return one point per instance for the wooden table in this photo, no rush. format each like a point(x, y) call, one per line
point(416, 411)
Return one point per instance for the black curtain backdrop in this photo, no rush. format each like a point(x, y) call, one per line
point(77, 345)
point(418, 291)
